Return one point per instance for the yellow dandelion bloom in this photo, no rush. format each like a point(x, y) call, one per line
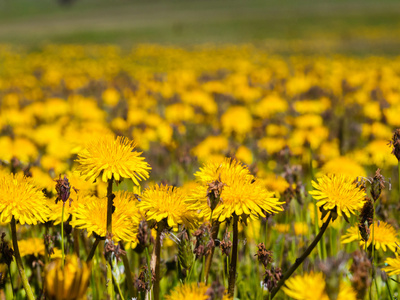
point(338, 191)
point(385, 236)
point(300, 228)
point(67, 283)
point(343, 165)
point(166, 202)
point(393, 266)
point(191, 291)
point(35, 247)
point(91, 214)
point(311, 286)
point(242, 194)
point(229, 120)
point(107, 157)
point(19, 197)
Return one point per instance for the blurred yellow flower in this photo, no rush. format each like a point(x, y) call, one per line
point(68, 283)
point(393, 266)
point(192, 291)
point(311, 286)
point(237, 119)
point(343, 165)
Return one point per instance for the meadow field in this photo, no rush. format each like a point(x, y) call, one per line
point(199, 149)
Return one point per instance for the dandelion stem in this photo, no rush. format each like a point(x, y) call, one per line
point(109, 205)
point(232, 268)
point(300, 260)
point(76, 242)
point(110, 286)
point(93, 250)
point(214, 236)
point(110, 199)
point(62, 236)
point(117, 285)
point(128, 273)
point(18, 260)
point(156, 257)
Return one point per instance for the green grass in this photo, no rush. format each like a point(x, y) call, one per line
point(339, 26)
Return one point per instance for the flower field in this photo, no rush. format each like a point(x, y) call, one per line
point(210, 172)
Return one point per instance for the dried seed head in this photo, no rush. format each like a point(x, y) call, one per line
point(142, 283)
point(272, 277)
point(361, 269)
point(395, 143)
point(204, 242)
point(144, 237)
point(214, 191)
point(264, 256)
point(63, 189)
point(226, 244)
point(366, 218)
point(378, 183)
point(110, 248)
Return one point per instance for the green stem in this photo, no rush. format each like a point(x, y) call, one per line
point(214, 236)
point(11, 283)
point(156, 257)
point(300, 260)
point(388, 288)
point(93, 250)
point(128, 273)
point(109, 205)
point(109, 235)
point(110, 286)
point(117, 285)
point(62, 237)
point(76, 242)
point(18, 260)
point(232, 268)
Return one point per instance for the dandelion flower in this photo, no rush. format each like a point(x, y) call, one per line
point(107, 157)
point(385, 236)
point(91, 214)
point(338, 191)
point(19, 197)
point(35, 247)
point(67, 283)
point(191, 291)
point(166, 202)
point(393, 266)
point(242, 194)
point(312, 287)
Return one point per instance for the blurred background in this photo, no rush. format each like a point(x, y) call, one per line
point(341, 26)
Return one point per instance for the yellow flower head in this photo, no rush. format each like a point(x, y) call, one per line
point(19, 197)
point(107, 157)
point(191, 291)
point(385, 236)
point(241, 194)
point(312, 287)
point(35, 247)
point(68, 283)
point(338, 191)
point(91, 214)
point(166, 202)
point(393, 266)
